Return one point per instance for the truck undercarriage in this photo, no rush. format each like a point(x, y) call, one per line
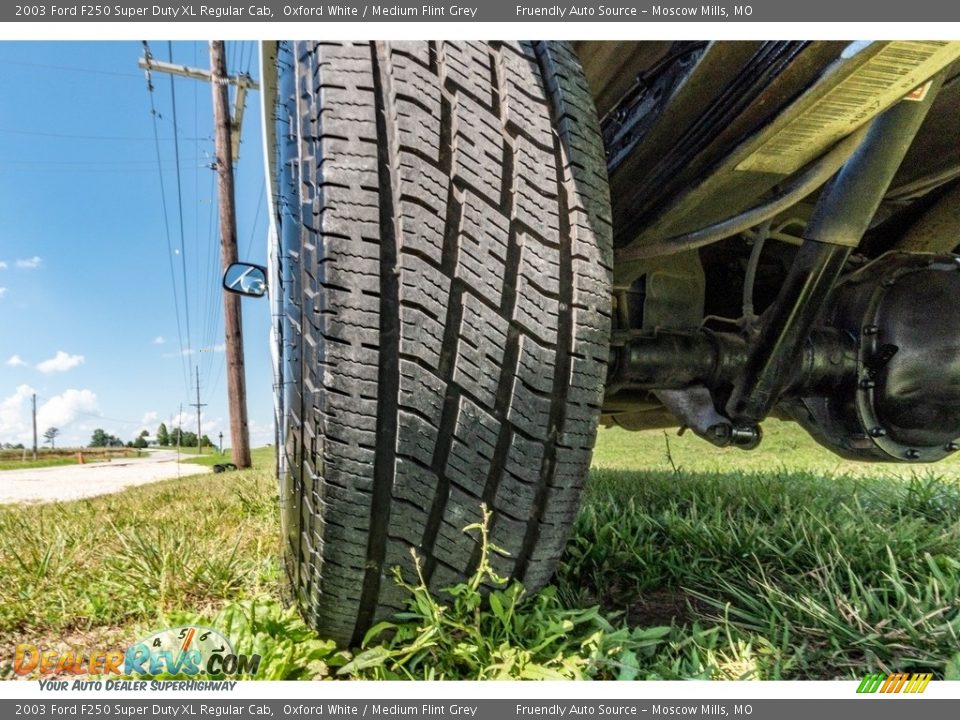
point(481, 250)
point(744, 284)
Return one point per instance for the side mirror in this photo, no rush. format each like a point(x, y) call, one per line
point(245, 279)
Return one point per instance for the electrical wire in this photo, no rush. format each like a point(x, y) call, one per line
point(210, 325)
point(196, 183)
point(183, 252)
point(166, 221)
point(94, 415)
point(256, 217)
point(68, 136)
point(72, 68)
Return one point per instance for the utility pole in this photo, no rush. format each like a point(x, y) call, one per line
point(198, 405)
point(179, 436)
point(34, 426)
point(242, 81)
point(227, 131)
point(232, 321)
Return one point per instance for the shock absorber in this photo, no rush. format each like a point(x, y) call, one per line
point(841, 217)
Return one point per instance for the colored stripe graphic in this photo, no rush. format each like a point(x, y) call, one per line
point(870, 683)
point(895, 683)
point(187, 640)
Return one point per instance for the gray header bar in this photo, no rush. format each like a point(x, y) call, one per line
point(618, 11)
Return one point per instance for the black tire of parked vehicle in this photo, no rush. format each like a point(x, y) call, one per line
point(450, 317)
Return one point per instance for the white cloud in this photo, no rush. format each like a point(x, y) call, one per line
point(3, 291)
point(3, 265)
point(15, 361)
point(260, 433)
point(30, 263)
point(186, 352)
point(61, 410)
point(159, 340)
point(15, 415)
point(185, 420)
point(60, 362)
point(149, 418)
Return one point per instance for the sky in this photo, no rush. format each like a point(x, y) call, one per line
point(107, 307)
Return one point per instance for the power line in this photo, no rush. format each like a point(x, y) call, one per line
point(69, 136)
point(86, 162)
point(256, 217)
point(95, 415)
point(210, 306)
point(166, 222)
point(75, 170)
point(176, 151)
point(253, 52)
point(72, 68)
point(242, 49)
point(196, 192)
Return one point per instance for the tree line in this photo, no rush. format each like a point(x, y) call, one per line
point(101, 438)
point(164, 438)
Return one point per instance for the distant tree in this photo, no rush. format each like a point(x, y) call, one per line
point(140, 442)
point(205, 442)
point(163, 437)
point(144, 433)
point(185, 437)
point(50, 436)
point(101, 438)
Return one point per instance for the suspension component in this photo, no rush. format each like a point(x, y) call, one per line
point(842, 215)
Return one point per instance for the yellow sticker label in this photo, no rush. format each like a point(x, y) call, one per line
point(896, 72)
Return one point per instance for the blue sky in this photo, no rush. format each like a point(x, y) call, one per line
point(88, 315)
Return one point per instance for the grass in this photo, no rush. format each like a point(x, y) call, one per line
point(212, 457)
point(685, 562)
point(38, 463)
point(14, 459)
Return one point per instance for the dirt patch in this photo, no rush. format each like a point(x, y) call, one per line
point(75, 482)
point(664, 606)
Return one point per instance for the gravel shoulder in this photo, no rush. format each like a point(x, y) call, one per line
point(75, 482)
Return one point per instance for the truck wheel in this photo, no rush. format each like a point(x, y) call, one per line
point(447, 310)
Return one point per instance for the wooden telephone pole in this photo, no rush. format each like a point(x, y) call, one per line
point(232, 320)
point(227, 148)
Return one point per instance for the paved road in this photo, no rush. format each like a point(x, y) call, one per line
point(72, 482)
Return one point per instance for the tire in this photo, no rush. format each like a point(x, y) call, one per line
point(446, 238)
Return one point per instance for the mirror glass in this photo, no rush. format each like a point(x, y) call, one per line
point(246, 279)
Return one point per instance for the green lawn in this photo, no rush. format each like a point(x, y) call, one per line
point(687, 563)
point(38, 463)
point(785, 448)
point(13, 459)
point(260, 456)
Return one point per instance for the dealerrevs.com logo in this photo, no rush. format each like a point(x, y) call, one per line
point(188, 650)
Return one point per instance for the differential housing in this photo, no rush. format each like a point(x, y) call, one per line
point(903, 312)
